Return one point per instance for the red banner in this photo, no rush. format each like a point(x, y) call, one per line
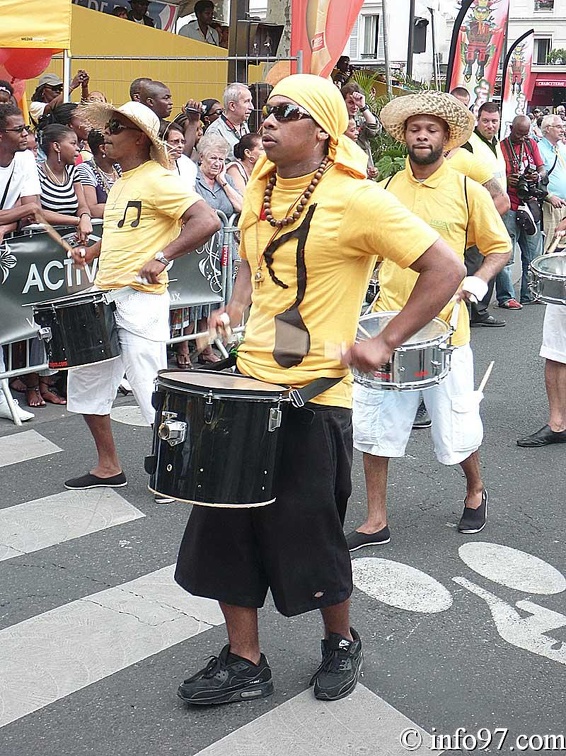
point(519, 82)
point(480, 45)
point(320, 29)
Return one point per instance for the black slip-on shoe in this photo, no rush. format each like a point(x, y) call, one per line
point(488, 321)
point(340, 668)
point(357, 540)
point(93, 481)
point(474, 520)
point(543, 437)
point(226, 679)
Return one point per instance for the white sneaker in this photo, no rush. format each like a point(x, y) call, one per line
point(7, 415)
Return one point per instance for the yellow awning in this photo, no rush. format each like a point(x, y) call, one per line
point(35, 24)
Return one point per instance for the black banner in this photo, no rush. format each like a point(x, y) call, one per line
point(34, 268)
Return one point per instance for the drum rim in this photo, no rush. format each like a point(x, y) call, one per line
point(553, 276)
point(88, 297)
point(415, 344)
point(278, 393)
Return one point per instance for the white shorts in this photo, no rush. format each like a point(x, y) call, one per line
point(383, 419)
point(554, 334)
point(92, 389)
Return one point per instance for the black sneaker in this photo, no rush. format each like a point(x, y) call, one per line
point(227, 678)
point(357, 540)
point(422, 418)
point(474, 520)
point(340, 667)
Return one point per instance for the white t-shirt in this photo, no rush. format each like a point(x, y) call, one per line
point(24, 181)
point(192, 31)
point(187, 170)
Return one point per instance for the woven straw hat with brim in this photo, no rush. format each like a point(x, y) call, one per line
point(97, 115)
point(460, 121)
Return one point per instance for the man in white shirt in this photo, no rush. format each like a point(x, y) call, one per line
point(19, 192)
point(200, 29)
point(233, 123)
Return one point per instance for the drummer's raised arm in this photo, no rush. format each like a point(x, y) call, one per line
point(240, 300)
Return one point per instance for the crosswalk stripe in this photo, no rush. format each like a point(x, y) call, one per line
point(361, 723)
point(20, 447)
point(54, 519)
point(54, 654)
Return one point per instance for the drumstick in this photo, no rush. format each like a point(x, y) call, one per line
point(54, 235)
point(362, 330)
point(485, 378)
point(555, 242)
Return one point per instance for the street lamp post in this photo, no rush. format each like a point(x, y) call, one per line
point(409, 70)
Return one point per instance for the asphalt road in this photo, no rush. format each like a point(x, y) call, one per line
point(458, 631)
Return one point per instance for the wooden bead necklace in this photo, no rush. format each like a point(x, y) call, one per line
point(301, 203)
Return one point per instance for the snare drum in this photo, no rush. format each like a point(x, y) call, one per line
point(548, 278)
point(423, 361)
point(215, 438)
point(77, 330)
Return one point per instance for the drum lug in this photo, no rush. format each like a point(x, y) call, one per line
point(45, 333)
point(171, 430)
point(208, 409)
point(274, 419)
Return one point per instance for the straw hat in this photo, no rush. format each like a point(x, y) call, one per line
point(97, 114)
point(460, 121)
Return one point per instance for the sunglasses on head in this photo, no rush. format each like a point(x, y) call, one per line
point(114, 127)
point(287, 112)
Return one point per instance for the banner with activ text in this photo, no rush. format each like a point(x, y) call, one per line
point(36, 24)
point(480, 44)
point(320, 29)
point(33, 268)
point(519, 81)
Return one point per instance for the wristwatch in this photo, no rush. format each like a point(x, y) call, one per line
point(160, 257)
point(366, 107)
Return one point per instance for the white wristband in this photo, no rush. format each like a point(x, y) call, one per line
point(475, 286)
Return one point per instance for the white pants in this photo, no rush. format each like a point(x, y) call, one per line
point(383, 419)
point(554, 333)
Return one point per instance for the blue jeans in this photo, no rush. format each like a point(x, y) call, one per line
point(531, 247)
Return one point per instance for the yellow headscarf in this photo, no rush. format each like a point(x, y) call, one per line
point(326, 105)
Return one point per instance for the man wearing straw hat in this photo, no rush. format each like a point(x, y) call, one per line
point(310, 228)
point(149, 220)
point(431, 124)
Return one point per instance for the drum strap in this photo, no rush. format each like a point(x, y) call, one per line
point(299, 397)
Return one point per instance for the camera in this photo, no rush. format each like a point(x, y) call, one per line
point(530, 189)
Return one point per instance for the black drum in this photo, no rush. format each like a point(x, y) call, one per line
point(77, 330)
point(215, 438)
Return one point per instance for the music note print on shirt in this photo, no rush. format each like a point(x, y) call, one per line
point(135, 205)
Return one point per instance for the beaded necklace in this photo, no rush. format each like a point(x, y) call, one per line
point(301, 201)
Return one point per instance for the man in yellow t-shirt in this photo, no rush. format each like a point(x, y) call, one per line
point(149, 220)
point(464, 214)
point(311, 227)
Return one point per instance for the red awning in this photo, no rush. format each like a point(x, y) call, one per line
point(551, 80)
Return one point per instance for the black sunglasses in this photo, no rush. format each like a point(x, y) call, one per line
point(287, 112)
point(19, 129)
point(54, 87)
point(114, 127)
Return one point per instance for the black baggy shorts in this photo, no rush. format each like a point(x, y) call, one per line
point(294, 546)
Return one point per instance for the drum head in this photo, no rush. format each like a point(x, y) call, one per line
point(204, 381)
point(551, 265)
point(375, 322)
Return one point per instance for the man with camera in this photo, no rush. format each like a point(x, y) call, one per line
point(525, 171)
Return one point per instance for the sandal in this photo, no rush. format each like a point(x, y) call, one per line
point(207, 356)
point(183, 360)
point(33, 397)
point(50, 393)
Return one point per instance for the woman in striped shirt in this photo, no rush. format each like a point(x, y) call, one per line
point(62, 195)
